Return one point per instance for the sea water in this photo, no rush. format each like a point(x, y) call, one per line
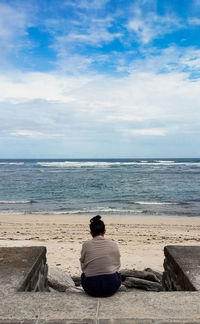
point(116, 187)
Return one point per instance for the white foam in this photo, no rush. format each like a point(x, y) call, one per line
point(155, 203)
point(97, 210)
point(90, 164)
point(165, 161)
point(68, 164)
point(12, 163)
point(72, 164)
point(15, 202)
point(169, 163)
point(83, 164)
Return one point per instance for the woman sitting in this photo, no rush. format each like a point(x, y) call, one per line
point(100, 261)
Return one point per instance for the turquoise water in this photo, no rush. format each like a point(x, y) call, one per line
point(107, 187)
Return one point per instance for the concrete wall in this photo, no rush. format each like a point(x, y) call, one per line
point(181, 267)
point(36, 277)
point(23, 269)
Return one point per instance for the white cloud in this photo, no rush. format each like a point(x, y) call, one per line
point(73, 103)
point(191, 60)
point(87, 4)
point(148, 25)
point(92, 4)
point(172, 59)
point(25, 133)
point(94, 36)
point(90, 31)
point(196, 3)
point(195, 21)
point(34, 134)
point(39, 86)
point(142, 104)
point(149, 131)
point(73, 64)
point(14, 21)
point(90, 25)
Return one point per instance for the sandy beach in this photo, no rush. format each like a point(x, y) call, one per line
point(141, 240)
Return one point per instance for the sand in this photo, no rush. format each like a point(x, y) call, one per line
point(141, 240)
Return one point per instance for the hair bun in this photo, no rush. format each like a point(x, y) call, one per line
point(95, 219)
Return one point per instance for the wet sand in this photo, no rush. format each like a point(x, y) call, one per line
point(141, 240)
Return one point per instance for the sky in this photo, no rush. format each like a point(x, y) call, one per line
point(99, 78)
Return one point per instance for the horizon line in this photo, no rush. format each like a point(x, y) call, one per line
point(103, 158)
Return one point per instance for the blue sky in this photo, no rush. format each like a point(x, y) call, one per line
point(99, 78)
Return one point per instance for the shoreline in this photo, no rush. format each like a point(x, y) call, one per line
point(85, 219)
point(88, 216)
point(140, 239)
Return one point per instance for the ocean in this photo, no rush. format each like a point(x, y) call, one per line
point(113, 187)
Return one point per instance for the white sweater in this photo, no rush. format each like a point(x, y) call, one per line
point(99, 256)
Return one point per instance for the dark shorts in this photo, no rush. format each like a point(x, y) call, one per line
point(101, 286)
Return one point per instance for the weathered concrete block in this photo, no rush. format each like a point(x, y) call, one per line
point(23, 268)
point(181, 265)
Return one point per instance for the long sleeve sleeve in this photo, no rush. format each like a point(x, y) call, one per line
point(82, 258)
point(115, 256)
point(118, 258)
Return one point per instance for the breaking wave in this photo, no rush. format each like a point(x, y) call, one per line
point(16, 202)
point(97, 210)
point(158, 203)
point(12, 163)
point(68, 164)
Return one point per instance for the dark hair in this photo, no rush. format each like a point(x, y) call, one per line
point(97, 226)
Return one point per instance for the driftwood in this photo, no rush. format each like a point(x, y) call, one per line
point(146, 275)
point(77, 280)
point(132, 282)
point(158, 274)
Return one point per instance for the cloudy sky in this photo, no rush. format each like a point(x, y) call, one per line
point(99, 78)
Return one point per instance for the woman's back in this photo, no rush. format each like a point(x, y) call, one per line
point(100, 256)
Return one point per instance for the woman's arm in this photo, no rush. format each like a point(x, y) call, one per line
point(82, 258)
